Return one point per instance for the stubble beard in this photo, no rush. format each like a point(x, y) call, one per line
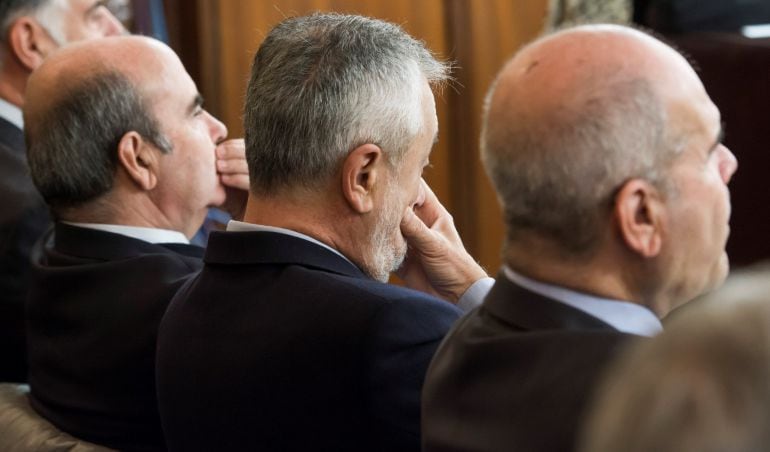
point(387, 251)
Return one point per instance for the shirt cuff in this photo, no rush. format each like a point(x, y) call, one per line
point(474, 296)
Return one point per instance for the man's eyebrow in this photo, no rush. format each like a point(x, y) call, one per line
point(196, 103)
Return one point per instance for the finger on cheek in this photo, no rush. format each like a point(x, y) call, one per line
point(407, 222)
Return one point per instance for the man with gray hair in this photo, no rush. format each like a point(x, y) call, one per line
point(306, 347)
point(128, 160)
point(606, 154)
point(29, 31)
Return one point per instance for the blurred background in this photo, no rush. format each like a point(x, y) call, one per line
point(724, 39)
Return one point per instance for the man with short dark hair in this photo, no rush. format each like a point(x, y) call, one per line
point(606, 154)
point(290, 338)
point(128, 160)
point(29, 31)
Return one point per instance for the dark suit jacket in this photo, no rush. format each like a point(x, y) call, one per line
point(94, 307)
point(281, 344)
point(515, 375)
point(23, 219)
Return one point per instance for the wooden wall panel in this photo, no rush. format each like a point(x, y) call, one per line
point(484, 34)
point(479, 35)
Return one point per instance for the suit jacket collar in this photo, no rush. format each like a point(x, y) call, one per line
point(11, 136)
point(530, 311)
point(262, 247)
point(95, 244)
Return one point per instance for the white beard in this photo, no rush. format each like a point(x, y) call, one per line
point(387, 254)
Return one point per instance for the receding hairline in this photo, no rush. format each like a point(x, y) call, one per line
point(83, 60)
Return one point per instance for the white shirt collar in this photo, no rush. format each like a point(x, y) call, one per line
point(240, 226)
point(151, 235)
point(624, 316)
point(11, 113)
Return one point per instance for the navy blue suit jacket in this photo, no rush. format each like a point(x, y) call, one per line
point(516, 373)
point(23, 219)
point(93, 314)
point(281, 344)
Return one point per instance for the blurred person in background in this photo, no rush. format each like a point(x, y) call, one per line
point(701, 386)
point(29, 31)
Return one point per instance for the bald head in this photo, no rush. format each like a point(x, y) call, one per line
point(74, 63)
point(570, 118)
point(80, 103)
point(571, 67)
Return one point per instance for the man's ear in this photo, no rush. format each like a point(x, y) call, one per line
point(29, 42)
point(360, 172)
point(139, 159)
point(640, 214)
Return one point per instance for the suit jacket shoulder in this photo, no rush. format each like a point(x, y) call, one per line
point(304, 341)
point(524, 365)
point(93, 314)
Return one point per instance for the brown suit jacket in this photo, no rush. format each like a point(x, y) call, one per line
point(515, 375)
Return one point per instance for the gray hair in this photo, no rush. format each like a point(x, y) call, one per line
point(43, 11)
point(72, 141)
point(10, 10)
point(557, 174)
point(320, 86)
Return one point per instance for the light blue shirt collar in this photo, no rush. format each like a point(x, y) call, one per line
point(11, 113)
point(151, 235)
point(624, 316)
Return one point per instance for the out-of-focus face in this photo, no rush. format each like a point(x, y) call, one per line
point(69, 21)
point(403, 189)
point(699, 203)
point(188, 181)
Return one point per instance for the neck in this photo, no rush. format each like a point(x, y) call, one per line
point(606, 272)
point(13, 82)
point(316, 214)
point(135, 209)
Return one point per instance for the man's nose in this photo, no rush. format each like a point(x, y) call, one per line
point(217, 129)
point(728, 165)
point(420, 200)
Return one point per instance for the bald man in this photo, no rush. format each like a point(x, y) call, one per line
point(128, 161)
point(29, 31)
point(604, 149)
